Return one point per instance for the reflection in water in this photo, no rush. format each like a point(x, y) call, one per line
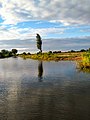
point(65, 94)
point(86, 70)
point(40, 71)
point(82, 69)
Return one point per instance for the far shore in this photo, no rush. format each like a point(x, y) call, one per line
point(82, 58)
point(72, 56)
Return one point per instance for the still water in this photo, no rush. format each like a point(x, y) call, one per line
point(34, 90)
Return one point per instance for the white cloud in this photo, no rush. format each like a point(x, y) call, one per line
point(26, 33)
point(29, 45)
point(65, 11)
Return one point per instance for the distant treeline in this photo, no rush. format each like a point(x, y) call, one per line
point(5, 53)
point(56, 52)
point(82, 50)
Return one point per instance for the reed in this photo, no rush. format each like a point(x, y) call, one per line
point(85, 63)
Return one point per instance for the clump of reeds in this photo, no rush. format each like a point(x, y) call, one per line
point(85, 63)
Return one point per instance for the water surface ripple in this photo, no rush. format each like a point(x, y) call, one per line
point(36, 90)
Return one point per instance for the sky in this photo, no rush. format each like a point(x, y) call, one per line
point(62, 24)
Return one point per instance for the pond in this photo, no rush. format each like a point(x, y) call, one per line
point(35, 90)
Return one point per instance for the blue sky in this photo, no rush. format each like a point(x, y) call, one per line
point(62, 24)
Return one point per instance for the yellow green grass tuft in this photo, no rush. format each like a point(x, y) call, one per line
point(85, 63)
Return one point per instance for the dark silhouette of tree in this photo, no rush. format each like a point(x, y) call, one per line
point(89, 49)
point(14, 51)
point(39, 42)
point(82, 50)
point(5, 53)
point(40, 71)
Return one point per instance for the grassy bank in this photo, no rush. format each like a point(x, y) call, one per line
point(85, 63)
point(53, 56)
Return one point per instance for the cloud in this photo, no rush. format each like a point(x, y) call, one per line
point(26, 33)
point(64, 11)
point(67, 44)
point(71, 12)
point(29, 45)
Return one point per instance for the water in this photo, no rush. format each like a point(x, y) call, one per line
point(34, 90)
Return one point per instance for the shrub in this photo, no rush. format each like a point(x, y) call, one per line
point(24, 53)
point(29, 53)
point(50, 52)
point(82, 50)
point(72, 50)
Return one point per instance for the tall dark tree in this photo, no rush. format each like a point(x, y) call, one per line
point(39, 42)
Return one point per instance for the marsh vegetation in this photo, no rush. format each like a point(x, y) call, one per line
point(85, 63)
point(53, 56)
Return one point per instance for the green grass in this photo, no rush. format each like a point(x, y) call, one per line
point(82, 58)
point(52, 56)
point(85, 63)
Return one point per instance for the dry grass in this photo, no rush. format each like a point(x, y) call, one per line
point(85, 63)
point(53, 56)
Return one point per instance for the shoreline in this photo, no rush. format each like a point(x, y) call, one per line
point(82, 63)
point(72, 56)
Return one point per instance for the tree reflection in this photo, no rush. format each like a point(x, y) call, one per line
point(40, 71)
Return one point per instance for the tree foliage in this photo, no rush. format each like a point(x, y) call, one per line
point(39, 42)
point(14, 51)
point(5, 53)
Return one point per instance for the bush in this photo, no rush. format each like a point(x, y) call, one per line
point(57, 52)
point(72, 50)
point(24, 53)
point(82, 50)
point(28, 53)
point(89, 50)
point(39, 53)
point(50, 52)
